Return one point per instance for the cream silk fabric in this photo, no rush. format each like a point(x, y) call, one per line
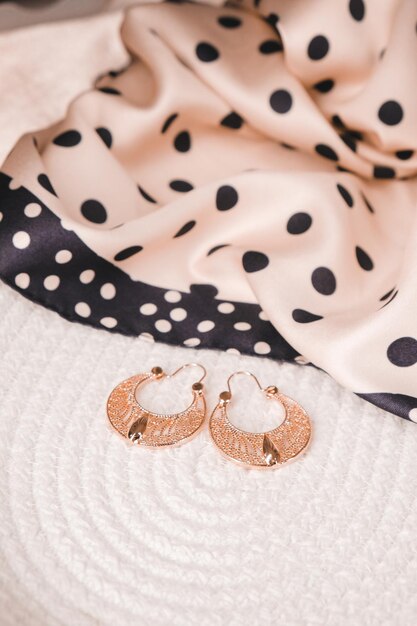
point(246, 183)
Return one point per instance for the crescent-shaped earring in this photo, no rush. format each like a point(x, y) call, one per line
point(261, 450)
point(145, 428)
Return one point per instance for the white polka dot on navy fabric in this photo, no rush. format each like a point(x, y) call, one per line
point(108, 322)
point(87, 276)
point(33, 209)
point(413, 415)
point(63, 256)
point(178, 315)
point(1, 216)
point(261, 347)
point(148, 309)
point(147, 337)
point(205, 326)
point(22, 280)
point(226, 307)
point(232, 351)
point(262, 316)
point(82, 309)
point(172, 296)
point(51, 282)
point(108, 291)
point(242, 326)
point(192, 342)
point(21, 240)
point(301, 360)
point(164, 326)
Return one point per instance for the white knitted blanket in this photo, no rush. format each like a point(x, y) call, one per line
point(94, 533)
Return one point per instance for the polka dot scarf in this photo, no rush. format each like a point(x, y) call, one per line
point(246, 183)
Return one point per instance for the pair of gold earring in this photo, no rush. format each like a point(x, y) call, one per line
point(255, 450)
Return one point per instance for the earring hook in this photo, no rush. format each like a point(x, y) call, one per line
point(245, 373)
point(190, 365)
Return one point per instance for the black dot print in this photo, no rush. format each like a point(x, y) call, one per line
point(272, 19)
point(364, 259)
point(345, 195)
point(305, 317)
point(182, 141)
point(368, 204)
point(226, 198)
point(357, 9)
point(168, 122)
point(181, 185)
point(270, 46)
point(281, 101)
point(68, 139)
point(44, 182)
point(381, 171)
point(111, 91)
point(146, 195)
point(232, 120)
point(254, 261)
point(349, 140)
point(324, 281)
point(387, 295)
point(324, 86)
point(94, 211)
point(403, 352)
point(326, 151)
point(338, 122)
point(105, 135)
point(318, 48)
point(206, 52)
point(216, 248)
point(404, 155)
point(185, 229)
point(127, 253)
point(229, 21)
point(299, 223)
point(391, 113)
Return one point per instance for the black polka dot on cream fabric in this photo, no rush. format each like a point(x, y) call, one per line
point(232, 120)
point(185, 229)
point(168, 122)
point(229, 21)
point(391, 113)
point(403, 352)
point(324, 86)
point(383, 171)
point(324, 281)
point(305, 317)
point(206, 52)
point(68, 139)
point(44, 182)
point(105, 135)
point(364, 259)
point(347, 197)
point(318, 48)
point(357, 9)
point(226, 198)
point(182, 141)
point(299, 223)
point(254, 261)
point(270, 46)
point(281, 101)
point(127, 253)
point(180, 185)
point(110, 91)
point(146, 195)
point(94, 211)
point(326, 151)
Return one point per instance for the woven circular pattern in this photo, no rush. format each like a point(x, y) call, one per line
point(94, 532)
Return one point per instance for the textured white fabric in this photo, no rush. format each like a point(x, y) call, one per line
point(93, 533)
point(96, 533)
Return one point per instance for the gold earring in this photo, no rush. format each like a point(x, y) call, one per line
point(261, 450)
point(145, 428)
